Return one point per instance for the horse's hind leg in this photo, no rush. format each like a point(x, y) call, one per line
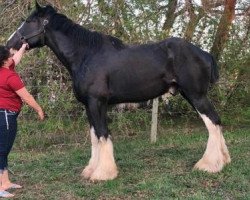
point(216, 154)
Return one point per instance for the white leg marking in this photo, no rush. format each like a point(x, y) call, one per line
point(89, 169)
point(106, 167)
point(225, 151)
point(216, 154)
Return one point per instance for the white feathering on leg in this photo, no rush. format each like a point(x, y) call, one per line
point(216, 154)
point(106, 167)
point(95, 148)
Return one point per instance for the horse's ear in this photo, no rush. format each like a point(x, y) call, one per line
point(37, 5)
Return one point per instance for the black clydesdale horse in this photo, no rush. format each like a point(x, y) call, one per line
point(106, 71)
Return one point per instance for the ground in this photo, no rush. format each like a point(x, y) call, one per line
point(146, 171)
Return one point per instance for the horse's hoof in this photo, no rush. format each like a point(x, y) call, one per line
point(86, 173)
point(99, 175)
point(227, 158)
point(211, 167)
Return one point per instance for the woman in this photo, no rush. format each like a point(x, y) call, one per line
point(12, 94)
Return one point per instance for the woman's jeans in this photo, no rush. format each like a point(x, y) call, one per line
point(8, 130)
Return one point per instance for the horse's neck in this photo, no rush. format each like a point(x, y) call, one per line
point(64, 50)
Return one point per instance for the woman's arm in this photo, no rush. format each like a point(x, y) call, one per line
point(18, 55)
point(29, 99)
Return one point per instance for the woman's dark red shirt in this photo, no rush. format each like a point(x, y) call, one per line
point(10, 82)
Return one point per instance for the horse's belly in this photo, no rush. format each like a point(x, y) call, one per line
point(135, 91)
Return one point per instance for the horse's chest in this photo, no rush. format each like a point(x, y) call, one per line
point(79, 88)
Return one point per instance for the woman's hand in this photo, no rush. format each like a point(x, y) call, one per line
point(18, 55)
point(41, 114)
point(29, 99)
point(25, 46)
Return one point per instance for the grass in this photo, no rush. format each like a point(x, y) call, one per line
point(146, 171)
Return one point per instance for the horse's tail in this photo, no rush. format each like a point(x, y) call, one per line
point(214, 71)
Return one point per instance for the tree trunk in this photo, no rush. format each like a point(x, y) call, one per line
point(194, 20)
point(223, 28)
point(170, 16)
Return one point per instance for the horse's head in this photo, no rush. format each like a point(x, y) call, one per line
point(33, 29)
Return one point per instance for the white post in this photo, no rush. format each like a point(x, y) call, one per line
point(154, 120)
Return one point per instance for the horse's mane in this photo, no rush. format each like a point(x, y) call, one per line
point(81, 35)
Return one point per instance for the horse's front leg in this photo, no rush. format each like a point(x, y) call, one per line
point(102, 164)
point(89, 169)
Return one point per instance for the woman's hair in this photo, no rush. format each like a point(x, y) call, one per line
point(4, 55)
